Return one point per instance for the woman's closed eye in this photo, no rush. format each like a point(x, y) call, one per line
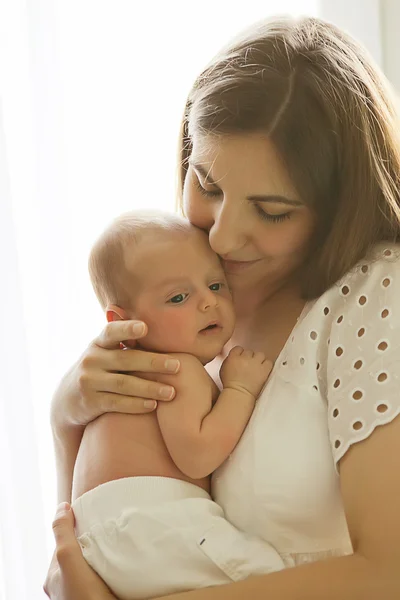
point(272, 218)
point(261, 213)
point(207, 193)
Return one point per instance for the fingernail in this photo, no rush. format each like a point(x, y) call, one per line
point(172, 365)
point(166, 392)
point(62, 508)
point(151, 404)
point(138, 328)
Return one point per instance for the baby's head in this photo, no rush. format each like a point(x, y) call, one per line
point(158, 268)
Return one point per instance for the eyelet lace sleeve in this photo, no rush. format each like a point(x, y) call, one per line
point(363, 367)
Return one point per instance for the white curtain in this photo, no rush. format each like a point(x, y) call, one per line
point(91, 94)
point(22, 544)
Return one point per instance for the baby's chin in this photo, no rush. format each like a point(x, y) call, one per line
point(204, 354)
point(206, 358)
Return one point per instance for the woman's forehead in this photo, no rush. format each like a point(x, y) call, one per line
point(247, 159)
point(208, 149)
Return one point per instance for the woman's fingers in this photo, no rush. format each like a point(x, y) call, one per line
point(135, 360)
point(130, 385)
point(124, 404)
point(109, 379)
point(116, 332)
point(124, 385)
point(74, 579)
point(108, 355)
point(67, 547)
point(52, 585)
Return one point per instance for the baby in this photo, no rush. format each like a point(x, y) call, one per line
point(141, 490)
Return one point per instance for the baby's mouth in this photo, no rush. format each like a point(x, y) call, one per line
point(214, 326)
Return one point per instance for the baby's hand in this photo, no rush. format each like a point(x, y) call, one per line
point(245, 370)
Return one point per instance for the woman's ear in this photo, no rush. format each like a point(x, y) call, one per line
point(116, 313)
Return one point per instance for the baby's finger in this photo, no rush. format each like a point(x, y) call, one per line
point(236, 351)
point(268, 365)
point(116, 332)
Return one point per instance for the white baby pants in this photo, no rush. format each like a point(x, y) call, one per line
point(153, 536)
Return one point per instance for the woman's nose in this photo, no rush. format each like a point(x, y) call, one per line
point(227, 234)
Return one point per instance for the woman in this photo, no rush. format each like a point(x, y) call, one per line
point(291, 162)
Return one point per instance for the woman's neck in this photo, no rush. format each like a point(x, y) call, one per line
point(255, 304)
point(265, 325)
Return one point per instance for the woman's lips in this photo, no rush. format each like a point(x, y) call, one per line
point(235, 266)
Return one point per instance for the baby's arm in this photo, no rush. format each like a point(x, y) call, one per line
point(199, 436)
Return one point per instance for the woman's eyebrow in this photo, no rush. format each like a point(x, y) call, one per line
point(272, 198)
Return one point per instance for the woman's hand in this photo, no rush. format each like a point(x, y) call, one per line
point(69, 576)
point(100, 381)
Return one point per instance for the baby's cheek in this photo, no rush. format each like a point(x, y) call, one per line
point(171, 330)
point(177, 323)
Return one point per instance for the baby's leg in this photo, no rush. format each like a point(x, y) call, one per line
point(150, 537)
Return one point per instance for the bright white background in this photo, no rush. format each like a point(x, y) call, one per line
point(91, 94)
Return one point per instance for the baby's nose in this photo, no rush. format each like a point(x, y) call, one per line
point(208, 300)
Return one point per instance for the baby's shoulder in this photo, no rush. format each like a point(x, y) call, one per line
point(191, 372)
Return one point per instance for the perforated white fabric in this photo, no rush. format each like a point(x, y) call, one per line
point(363, 366)
point(335, 381)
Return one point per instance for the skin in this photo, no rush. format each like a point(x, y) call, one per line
point(177, 285)
point(266, 295)
point(240, 229)
point(176, 303)
point(238, 190)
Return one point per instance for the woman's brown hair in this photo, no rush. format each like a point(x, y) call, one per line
point(330, 113)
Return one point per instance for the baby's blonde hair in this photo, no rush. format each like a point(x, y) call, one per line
point(112, 281)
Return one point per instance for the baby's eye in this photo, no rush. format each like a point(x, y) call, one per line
point(215, 287)
point(178, 298)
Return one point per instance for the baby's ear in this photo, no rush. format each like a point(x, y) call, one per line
point(116, 313)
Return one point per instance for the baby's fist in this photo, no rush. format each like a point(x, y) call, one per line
point(245, 370)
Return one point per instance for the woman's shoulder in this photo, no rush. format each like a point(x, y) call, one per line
point(363, 351)
point(375, 271)
point(373, 286)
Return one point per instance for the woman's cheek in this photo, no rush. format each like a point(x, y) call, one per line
point(186, 194)
point(291, 238)
point(188, 198)
point(197, 214)
point(194, 204)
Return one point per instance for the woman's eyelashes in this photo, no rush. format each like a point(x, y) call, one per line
point(207, 193)
point(260, 212)
point(272, 218)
